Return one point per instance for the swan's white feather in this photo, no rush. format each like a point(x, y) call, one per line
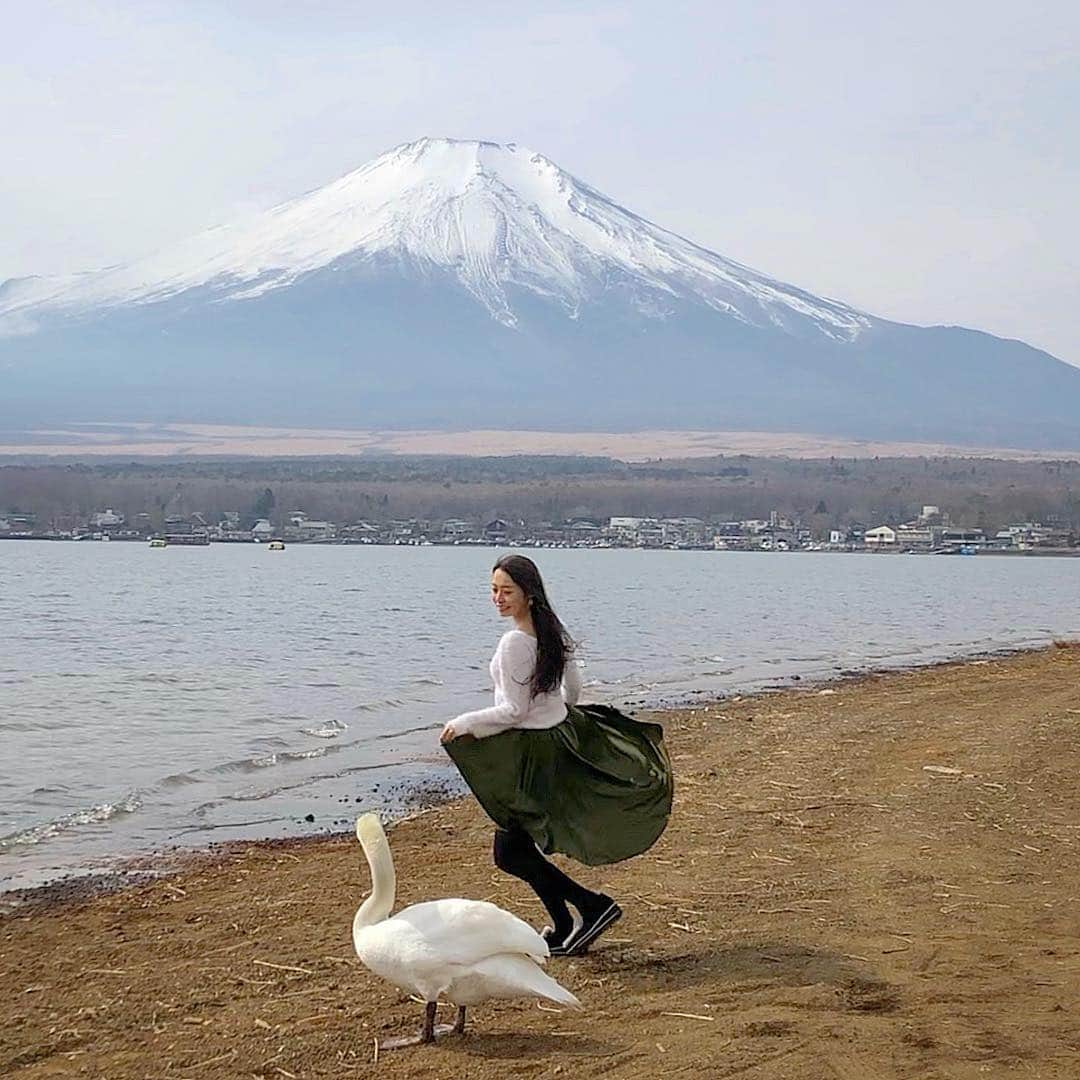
point(468, 931)
point(507, 976)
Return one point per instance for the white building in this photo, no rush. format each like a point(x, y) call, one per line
point(882, 536)
point(106, 520)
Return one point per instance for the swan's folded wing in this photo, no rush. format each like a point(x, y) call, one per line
point(468, 931)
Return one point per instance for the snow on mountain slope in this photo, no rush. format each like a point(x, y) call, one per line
point(497, 218)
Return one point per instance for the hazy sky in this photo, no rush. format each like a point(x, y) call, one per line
point(920, 160)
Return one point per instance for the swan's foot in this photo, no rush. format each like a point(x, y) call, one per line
point(429, 1032)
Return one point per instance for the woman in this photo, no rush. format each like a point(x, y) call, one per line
point(555, 776)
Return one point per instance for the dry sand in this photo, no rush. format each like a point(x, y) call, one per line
point(875, 880)
point(201, 440)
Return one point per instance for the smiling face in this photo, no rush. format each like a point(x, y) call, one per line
point(508, 596)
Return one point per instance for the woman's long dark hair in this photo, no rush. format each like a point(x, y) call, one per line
point(554, 645)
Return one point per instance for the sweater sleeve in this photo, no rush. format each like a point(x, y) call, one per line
point(514, 663)
point(571, 682)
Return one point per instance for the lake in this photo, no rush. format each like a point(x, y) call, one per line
point(160, 698)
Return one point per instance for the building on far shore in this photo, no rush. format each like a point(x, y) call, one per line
point(884, 536)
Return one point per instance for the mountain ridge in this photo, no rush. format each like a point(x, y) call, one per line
point(495, 213)
point(450, 283)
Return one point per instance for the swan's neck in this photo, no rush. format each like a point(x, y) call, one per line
point(383, 885)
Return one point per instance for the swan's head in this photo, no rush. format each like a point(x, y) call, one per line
point(369, 832)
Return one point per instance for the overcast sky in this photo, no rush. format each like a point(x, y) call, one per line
point(920, 160)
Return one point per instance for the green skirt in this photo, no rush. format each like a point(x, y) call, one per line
point(596, 787)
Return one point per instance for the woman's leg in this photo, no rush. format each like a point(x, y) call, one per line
point(516, 854)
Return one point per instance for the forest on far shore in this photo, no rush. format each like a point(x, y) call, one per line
point(820, 493)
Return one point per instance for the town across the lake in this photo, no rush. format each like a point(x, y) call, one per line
point(931, 531)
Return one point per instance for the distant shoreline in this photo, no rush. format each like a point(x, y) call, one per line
point(1041, 552)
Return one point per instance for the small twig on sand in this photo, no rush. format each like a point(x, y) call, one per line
point(210, 1061)
point(283, 967)
point(232, 948)
point(647, 903)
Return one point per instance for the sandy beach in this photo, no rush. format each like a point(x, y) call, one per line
point(876, 879)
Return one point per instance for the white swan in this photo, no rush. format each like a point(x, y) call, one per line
point(465, 950)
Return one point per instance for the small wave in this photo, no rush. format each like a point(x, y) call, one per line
point(330, 730)
point(92, 815)
point(269, 742)
point(179, 780)
point(268, 761)
point(428, 680)
point(374, 706)
point(404, 732)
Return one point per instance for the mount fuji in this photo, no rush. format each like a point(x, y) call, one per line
point(455, 284)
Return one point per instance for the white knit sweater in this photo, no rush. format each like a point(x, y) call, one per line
point(512, 669)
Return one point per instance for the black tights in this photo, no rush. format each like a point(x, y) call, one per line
point(516, 854)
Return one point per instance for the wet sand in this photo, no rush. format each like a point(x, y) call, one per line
point(879, 879)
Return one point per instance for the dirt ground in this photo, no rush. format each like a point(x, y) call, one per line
point(879, 879)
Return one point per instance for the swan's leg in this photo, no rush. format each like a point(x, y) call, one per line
point(427, 1032)
point(426, 1035)
point(456, 1028)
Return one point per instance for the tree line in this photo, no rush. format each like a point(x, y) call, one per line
point(822, 493)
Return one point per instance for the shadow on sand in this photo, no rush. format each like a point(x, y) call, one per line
point(498, 1046)
point(776, 964)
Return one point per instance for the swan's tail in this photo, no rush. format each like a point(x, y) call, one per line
point(556, 993)
point(514, 976)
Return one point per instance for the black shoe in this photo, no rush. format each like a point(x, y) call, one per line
point(559, 944)
point(594, 924)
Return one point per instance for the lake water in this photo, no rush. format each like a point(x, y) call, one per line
point(155, 698)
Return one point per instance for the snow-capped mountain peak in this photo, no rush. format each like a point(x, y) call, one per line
point(500, 219)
